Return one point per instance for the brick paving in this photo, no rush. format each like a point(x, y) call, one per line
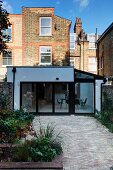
point(87, 145)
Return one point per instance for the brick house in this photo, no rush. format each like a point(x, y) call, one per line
point(38, 37)
point(105, 53)
point(83, 49)
point(14, 56)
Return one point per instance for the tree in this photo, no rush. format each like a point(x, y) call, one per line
point(4, 24)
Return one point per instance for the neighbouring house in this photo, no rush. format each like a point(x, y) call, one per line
point(38, 37)
point(105, 53)
point(55, 90)
point(83, 49)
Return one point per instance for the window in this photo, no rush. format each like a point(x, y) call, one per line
point(72, 40)
point(7, 34)
point(71, 61)
point(7, 58)
point(45, 55)
point(92, 64)
point(92, 40)
point(45, 26)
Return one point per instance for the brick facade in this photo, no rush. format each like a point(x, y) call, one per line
point(82, 52)
point(105, 53)
point(59, 41)
point(26, 39)
point(15, 44)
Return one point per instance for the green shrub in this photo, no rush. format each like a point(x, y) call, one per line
point(44, 147)
point(12, 123)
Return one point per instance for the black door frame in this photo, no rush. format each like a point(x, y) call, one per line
point(71, 104)
point(77, 80)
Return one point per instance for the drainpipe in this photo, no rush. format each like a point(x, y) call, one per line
point(14, 71)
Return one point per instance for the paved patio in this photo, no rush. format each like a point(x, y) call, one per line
point(88, 145)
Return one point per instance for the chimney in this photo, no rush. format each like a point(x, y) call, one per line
point(78, 26)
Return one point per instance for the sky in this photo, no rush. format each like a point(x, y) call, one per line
point(93, 13)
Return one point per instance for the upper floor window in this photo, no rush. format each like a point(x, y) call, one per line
point(7, 58)
point(45, 26)
point(45, 55)
point(72, 40)
point(92, 64)
point(92, 40)
point(7, 34)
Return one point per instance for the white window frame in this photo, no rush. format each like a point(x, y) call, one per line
point(45, 26)
point(4, 65)
point(47, 52)
point(74, 35)
point(6, 33)
point(92, 63)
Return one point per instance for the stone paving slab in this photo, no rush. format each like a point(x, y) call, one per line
point(87, 145)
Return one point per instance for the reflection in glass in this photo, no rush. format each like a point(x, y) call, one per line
point(84, 98)
point(44, 97)
point(61, 97)
point(29, 97)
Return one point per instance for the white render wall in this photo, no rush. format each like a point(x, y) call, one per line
point(38, 74)
point(98, 94)
point(44, 74)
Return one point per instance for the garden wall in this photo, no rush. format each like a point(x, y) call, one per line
point(109, 90)
point(7, 88)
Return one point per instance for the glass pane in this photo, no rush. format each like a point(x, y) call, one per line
point(9, 61)
point(45, 31)
point(45, 59)
point(61, 98)
point(72, 38)
point(44, 97)
point(84, 98)
point(45, 22)
point(45, 49)
point(83, 76)
point(29, 97)
point(92, 67)
point(72, 45)
point(4, 61)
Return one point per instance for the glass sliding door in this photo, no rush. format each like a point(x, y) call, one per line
point(45, 97)
point(29, 97)
point(61, 97)
point(84, 97)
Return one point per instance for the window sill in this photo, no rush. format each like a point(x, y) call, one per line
point(45, 35)
point(45, 64)
point(4, 66)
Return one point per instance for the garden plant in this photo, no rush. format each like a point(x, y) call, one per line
point(15, 129)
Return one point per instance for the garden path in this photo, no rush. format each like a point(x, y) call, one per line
point(88, 145)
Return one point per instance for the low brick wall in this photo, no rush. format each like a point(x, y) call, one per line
point(7, 88)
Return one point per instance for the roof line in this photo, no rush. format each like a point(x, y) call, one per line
point(105, 32)
point(63, 17)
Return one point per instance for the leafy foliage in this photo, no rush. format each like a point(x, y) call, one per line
point(44, 147)
point(12, 123)
point(106, 115)
point(4, 23)
point(4, 101)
